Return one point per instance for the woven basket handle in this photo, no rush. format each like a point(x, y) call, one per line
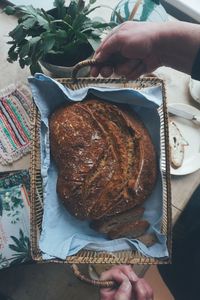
point(92, 62)
point(115, 59)
point(98, 283)
point(80, 65)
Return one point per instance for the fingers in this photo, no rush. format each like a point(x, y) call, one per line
point(128, 271)
point(130, 285)
point(95, 70)
point(130, 69)
point(124, 292)
point(111, 44)
point(107, 294)
point(127, 67)
point(115, 273)
point(142, 290)
point(137, 72)
point(126, 51)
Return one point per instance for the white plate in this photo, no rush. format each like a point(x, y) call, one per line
point(194, 88)
point(191, 133)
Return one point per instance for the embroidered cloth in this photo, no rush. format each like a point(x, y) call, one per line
point(15, 136)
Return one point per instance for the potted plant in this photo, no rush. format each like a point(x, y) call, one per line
point(58, 38)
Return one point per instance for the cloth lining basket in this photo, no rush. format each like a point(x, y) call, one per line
point(86, 256)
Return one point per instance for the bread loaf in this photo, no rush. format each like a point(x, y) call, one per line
point(177, 145)
point(107, 224)
point(105, 158)
point(129, 230)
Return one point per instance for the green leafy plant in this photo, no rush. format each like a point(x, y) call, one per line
point(12, 203)
point(147, 8)
point(3, 261)
point(21, 247)
point(63, 35)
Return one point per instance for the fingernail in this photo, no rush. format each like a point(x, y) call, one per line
point(126, 285)
point(133, 277)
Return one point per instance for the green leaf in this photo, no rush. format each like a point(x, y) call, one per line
point(22, 65)
point(91, 10)
point(147, 10)
point(59, 3)
point(34, 40)
point(48, 44)
point(61, 9)
point(30, 12)
point(29, 22)
point(17, 242)
point(81, 5)
point(120, 19)
point(17, 33)
point(24, 49)
point(72, 9)
point(101, 25)
point(68, 19)
point(9, 10)
point(43, 22)
point(156, 1)
point(14, 248)
point(79, 21)
point(61, 34)
point(11, 42)
point(27, 61)
point(26, 239)
point(35, 68)
point(16, 261)
point(12, 56)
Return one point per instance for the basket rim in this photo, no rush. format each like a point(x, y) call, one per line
point(90, 256)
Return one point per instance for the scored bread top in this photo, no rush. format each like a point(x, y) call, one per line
point(105, 157)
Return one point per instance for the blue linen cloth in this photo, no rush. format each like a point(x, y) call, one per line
point(62, 234)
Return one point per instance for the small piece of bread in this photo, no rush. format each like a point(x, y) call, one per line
point(107, 224)
point(148, 239)
point(177, 145)
point(129, 230)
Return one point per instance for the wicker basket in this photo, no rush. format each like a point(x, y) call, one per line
point(86, 256)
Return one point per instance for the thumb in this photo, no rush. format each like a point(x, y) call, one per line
point(124, 291)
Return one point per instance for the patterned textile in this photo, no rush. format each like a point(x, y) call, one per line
point(14, 218)
point(15, 104)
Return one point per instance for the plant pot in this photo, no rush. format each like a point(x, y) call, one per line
point(61, 65)
point(64, 71)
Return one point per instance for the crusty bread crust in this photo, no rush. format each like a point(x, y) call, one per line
point(130, 230)
point(106, 224)
point(105, 157)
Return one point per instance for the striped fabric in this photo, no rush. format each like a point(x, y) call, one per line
point(15, 104)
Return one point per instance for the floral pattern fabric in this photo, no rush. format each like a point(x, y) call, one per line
point(14, 218)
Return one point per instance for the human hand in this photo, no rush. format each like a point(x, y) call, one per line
point(129, 50)
point(131, 287)
point(135, 48)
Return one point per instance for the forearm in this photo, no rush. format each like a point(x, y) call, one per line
point(178, 44)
